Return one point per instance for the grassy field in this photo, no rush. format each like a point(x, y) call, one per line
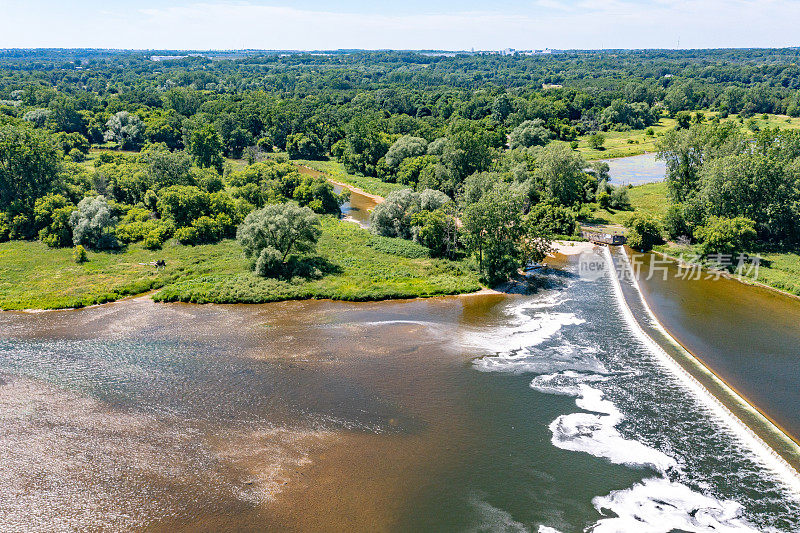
point(650, 199)
point(636, 142)
point(625, 143)
point(360, 267)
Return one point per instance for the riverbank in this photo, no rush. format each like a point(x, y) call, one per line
point(351, 264)
point(779, 272)
point(304, 168)
point(336, 173)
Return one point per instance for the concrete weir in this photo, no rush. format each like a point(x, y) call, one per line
point(775, 448)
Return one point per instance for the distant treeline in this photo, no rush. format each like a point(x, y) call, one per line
point(477, 128)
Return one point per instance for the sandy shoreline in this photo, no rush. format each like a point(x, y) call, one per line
point(353, 188)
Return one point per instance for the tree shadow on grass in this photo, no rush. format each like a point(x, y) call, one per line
point(310, 267)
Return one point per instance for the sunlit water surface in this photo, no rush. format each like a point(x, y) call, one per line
point(479, 413)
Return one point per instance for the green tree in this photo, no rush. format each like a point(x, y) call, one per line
point(643, 232)
point(403, 148)
point(166, 168)
point(561, 172)
point(181, 204)
point(206, 146)
point(529, 133)
point(29, 166)
point(503, 240)
point(304, 146)
point(685, 152)
point(726, 235)
point(596, 140)
point(270, 235)
point(93, 225)
point(126, 129)
point(437, 230)
point(52, 214)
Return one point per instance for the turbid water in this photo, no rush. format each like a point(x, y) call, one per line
point(749, 336)
point(358, 207)
point(476, 413)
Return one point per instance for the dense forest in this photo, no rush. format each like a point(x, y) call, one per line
point(483, 144)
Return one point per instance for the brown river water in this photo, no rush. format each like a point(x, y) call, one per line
point(485, 412)
point(748, 335)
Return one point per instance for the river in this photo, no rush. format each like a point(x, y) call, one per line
point(545, 412)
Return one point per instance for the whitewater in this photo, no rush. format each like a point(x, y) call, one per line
point(702, 469)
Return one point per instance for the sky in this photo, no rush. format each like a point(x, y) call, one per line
point(402, 24)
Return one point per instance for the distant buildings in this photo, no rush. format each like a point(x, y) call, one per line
point(512, 51)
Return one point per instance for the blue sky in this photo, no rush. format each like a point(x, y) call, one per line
point(405, 24)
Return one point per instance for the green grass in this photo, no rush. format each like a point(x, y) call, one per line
point(335, 171)
point(650, 199)
point(33, 276)
point(637, 142)
point(363, 270)
point(617, 144)
point(777, 270)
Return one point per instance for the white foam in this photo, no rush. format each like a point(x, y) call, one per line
point(597, 434)
point(547, 529)
point(527, 324)
point(658, 505)
point(495, 519)
point(562, 357)
point(564, 383)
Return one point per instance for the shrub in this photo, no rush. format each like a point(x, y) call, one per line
point(675, 223)
point(186, 235)
point(269, 262)
point(207, 230)
point(619, 198)
point(183, 203)
point(399, 247)
point(596, 140)
point(156, 238)
point(643, 232)
point(604, 199)
point(59, 233)
point(726, 235)
point(79, 254)
point(5, 226)
point(51, 216)
point(76, 155)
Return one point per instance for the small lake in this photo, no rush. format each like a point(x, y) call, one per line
point(636, 170)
